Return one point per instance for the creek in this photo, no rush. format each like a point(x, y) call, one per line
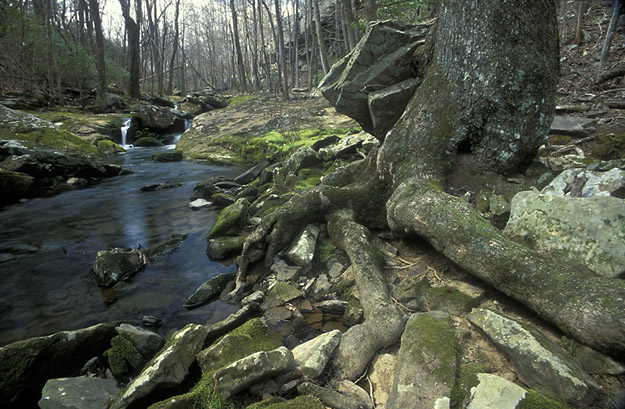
point(48, 244)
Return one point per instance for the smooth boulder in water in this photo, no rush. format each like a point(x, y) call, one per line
point(116, 265)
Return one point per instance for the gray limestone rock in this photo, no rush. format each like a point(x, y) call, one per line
point(329, 397)
point(572, 125)
point(199, 203)
point(223, 247)
point(253, 368)
point(251, 174)
point(427, 361)
point(350, 389)
point(382, 372)
point(494, 392)
point(302, 250)
point(285, 272)
point(147, 342)
point(396, 96)
point(117, 265)
point(587, 183)
point(78, 393)
point(312, 357)
point(169, 368)
point(540, 363)
point(304, 157)
point(581, 231)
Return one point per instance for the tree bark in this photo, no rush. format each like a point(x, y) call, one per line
point(619, 8)
point(101, 97)
point(134, 46)
point(174, 51)
point(323, 50)
point(237, 46)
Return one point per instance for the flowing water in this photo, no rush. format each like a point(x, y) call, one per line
point(47, 246)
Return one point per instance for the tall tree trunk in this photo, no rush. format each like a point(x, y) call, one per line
point(371, 10)
point(350, 23)
point(174, 51)
point(48, 25)
point(237, 45)
point(133, 54)
point(323, 50)
point(619, 8)
point(280, 45)
point(580, 9)
point(100, 62)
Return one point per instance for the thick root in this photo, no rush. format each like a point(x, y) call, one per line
point(590, 309)
point(384, 323)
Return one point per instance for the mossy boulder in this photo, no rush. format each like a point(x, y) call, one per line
point(223, 247)
point(167, 157)
point(147, 141)
point(231, 221)
point(109, 147)
point(14, 185)
point(427, 361)
point(300, 402)
point(122, 357)
point(253, 336)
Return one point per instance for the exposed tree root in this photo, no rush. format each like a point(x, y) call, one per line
point(384, 322)
point(591, 309)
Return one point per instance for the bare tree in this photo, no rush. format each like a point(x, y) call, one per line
point(101, 97)
point(323, 50)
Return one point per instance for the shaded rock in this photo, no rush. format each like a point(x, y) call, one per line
point(336, 270)
point(209, 290)
point(199, 204)
point(78, 393)
point(223, 199)
point(122, 357)
point(27, 365)
point(169, 368)
point(160, 186)
point(251, 337)
point(352, 316)
point(329, 396)
point(572, 126)
point(147, 342)
point(251, 174)
point(244, 372)
point(382, 373)
point(304, 157)
point(280, 294)
point(383, 57)
point(231, 220)
point(349, 145)
point(250, 192)
point(267, 203)
point(150, 321)
point(117, 265)
point(147, 142)
point(587, 183)
point(42, 164)
point(396, 96)
point(594, 362)
point(285, 272)
point(303, 248)
point(256, 297)
point(312, 357)
point(167, 157)
point(332, 306)
point(540, 363)
point(427, 361)
point(14, 185)
point(156, 117)
point(325, 142)
point(233, 321)
point(224, 247)
point(583, 231)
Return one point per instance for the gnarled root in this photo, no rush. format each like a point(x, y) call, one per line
point(384, 323)
point(591, 309)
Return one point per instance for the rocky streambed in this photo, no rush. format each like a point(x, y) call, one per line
point(274, 341)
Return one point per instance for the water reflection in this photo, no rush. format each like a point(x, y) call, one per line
point(47, 246)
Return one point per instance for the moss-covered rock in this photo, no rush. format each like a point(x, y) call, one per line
point(253, 336)
point(109, 147)
point(224, 247)
point(147, 141)
point(300, 402)
point(231, 220)
point(122, 357)
point(14, 185)
point(167, 157)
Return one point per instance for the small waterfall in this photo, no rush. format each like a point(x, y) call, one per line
point(187, 125)
point(124, 129)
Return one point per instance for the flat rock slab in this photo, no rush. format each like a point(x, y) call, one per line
point(303, 248)
point(572, 126)
point(494, 392)
point(540, 364)
point(587, 231)
point(281, 293)
point(312, 357)
point(253, 368)
point(78, 393)
point(587, 183)
point(147, 342)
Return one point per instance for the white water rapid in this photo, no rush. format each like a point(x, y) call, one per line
point(124, 129)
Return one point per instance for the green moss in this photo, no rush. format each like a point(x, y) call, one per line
point(122, 356)
point(239, 100)
point(325, 250)
point(147, 141)
point(108, 147)
point(610, 147)
point(312, 177)
point(535, 400)
point(51, 138)
point(559, 139)
point(300, 402)
point(467, 380)
point(167, 157)
point(231, 220)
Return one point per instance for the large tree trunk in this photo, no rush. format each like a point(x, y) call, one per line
point(99, 49)
point(134, 59)
point(487, 98)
